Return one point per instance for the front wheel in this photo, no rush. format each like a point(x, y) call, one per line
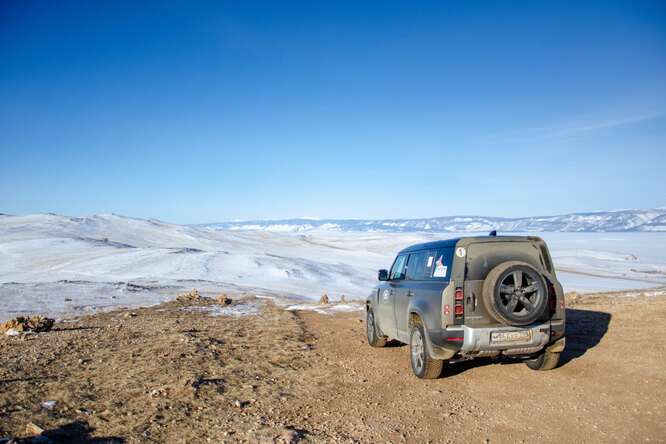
point(544, 361)
point(423, 365)
point(371, 330)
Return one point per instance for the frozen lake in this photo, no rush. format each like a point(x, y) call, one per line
point(63, 266)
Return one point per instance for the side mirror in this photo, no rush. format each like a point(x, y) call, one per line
point(383, 275)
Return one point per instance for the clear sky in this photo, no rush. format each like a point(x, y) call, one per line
point(195, 112)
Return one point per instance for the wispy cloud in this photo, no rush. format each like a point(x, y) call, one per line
point(574, 127)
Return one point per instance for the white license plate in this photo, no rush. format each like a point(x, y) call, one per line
point(511, 336)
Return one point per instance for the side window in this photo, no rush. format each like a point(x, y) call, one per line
point(415, 266)
point(398, 268)
point(438, 264)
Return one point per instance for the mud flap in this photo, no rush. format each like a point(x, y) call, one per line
point(557, 346)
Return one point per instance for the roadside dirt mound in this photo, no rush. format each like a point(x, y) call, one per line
point(172, 373)
point(20, 324)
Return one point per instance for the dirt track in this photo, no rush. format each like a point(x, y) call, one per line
point(170, 374)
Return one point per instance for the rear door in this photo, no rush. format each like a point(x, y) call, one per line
point(481, 258)
point(426, 275)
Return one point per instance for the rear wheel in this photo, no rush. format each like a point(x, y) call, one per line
point(515, 293)
point(544, 361)
point(371, 330)
point(423, 365)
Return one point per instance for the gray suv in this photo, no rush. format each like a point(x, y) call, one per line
point(470, 297)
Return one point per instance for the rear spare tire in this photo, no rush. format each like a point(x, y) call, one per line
point(515, 293)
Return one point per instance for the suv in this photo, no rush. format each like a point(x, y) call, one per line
point(470, 297)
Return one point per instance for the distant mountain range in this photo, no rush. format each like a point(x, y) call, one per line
point(621, 220)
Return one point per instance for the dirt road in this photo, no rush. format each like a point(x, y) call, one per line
point(172, 373)
point(609, 385)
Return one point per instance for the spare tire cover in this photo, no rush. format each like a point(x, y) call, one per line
point(515, 293)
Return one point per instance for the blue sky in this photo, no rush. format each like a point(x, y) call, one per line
point(209, 111)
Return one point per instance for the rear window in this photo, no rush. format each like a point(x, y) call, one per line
point(430, 265)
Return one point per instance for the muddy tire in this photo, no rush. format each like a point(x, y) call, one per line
point(371, 330)
point(423, 365)
point(544, 361)
point(515, 293)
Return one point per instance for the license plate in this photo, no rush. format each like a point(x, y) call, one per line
point(511, 336)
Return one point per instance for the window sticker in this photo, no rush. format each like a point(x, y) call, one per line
point(440, 270)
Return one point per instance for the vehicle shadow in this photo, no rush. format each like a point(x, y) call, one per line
point(584, 330)
point(75, 432)
point(393, 343)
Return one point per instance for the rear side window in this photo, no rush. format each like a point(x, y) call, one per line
point(438, 264)
point(430, 265)
point(546, 259)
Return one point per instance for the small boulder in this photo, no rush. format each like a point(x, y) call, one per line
point(224, 300)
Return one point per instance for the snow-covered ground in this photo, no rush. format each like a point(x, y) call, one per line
point(62, 266)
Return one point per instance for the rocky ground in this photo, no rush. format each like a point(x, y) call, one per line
point(174, 373)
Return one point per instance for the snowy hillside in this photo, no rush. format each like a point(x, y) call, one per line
point(62, 266)
point(622, 220)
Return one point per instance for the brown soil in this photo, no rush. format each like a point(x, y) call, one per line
point(170, 373)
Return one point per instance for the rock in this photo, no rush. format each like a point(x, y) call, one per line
point(49, 404)
point(34, 324)
point(342, 298)
point(33, 429)
point(238, 404)
point(224, 300)
point(323, 300)
point(193, 296)
point(130, 314)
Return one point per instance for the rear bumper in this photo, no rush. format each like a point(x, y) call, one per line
point(484, 341)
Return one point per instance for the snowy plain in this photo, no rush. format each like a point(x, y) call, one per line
point(63, 266)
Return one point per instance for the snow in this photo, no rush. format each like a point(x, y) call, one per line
point(347, 308)
point(66, 267)
point(328, 308)
point(306, 307)
point(234, 311)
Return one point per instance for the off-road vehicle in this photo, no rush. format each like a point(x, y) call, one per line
point(470, 297)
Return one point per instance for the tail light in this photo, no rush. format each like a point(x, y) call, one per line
point(459, 309)
point(552, 297)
